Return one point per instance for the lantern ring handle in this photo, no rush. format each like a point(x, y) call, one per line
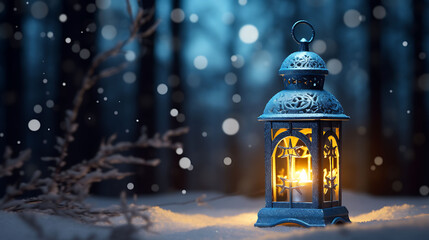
point(304, 22)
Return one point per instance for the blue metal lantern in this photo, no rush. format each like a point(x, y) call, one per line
point(303, 146)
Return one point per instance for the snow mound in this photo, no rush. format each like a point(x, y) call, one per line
point(391, 213)
point(407, 228)
point(233, 218)
point(164, 220)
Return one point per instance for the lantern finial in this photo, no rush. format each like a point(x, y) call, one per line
point(303, 43)
point(304, 62)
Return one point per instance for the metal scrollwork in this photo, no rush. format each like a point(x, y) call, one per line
point(306, 102)
point(305, 61)
point(298, 102)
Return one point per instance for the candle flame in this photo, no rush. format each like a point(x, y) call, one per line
point(299, 176)
point(302, 175)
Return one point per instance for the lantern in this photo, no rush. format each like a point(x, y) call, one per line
point(303, 146)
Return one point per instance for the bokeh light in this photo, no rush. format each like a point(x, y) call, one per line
point(177, 15)
point(174, 112)
point(200, 62)
point(84, 53)
point(379, 12)
point(424, 190)
point(34, 125)
point(39, 10)
point(334, 66)
point(62, 18)
point(162, 89)
point(227, 161)
point(352, 18)
point(109, 32)
point(319, 46)
point(130, 56)
point(103, 4)
point(230, 126)
point(237, 61)
point(248, 34)
point(130, 186)
point(37, 108)
point(129, 77)
point(378, 161)
point(193, 18)
point(230, 78)
point(185, 163)
point(236, 98)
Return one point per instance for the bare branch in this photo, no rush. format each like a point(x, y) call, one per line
point(148, 16)
point(149, 31)
point(63, 192)
point(129, 10)
point(110, 72)
point(91, 78)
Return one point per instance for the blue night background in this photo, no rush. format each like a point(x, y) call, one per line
point(212, 66)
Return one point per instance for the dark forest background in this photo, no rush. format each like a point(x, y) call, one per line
point(197, 70)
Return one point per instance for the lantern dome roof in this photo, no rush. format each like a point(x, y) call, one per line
point(306, 104)
point(303, 98)
point(303, 62)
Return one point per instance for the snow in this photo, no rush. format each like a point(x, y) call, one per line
point(233, 217)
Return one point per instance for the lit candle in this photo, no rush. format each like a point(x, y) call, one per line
point(305, 187)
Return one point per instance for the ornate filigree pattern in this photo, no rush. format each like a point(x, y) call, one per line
point(305, 102)
point(298, 102)
point(330, 172)
point(283, 186)
point(303, 60)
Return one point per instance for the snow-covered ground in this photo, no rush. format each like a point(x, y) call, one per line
point(233, 218)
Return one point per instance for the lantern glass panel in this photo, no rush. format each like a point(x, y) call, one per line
point(331, 174)
point(292, 170)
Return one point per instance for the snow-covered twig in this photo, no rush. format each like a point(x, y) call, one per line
point(64, 190)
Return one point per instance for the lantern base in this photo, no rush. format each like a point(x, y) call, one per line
point(306, 217)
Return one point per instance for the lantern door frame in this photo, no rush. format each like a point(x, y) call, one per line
point(317, 213)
